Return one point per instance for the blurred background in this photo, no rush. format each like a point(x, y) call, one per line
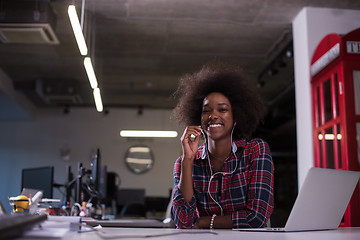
point(139, 49)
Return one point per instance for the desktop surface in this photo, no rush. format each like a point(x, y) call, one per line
point(176, 234)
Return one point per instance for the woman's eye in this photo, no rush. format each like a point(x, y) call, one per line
point(223, 110)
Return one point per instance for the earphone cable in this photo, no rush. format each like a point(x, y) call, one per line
point(224, 173)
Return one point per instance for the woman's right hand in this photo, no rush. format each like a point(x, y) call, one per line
point(189, 144)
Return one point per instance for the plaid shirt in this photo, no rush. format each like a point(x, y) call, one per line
point(246, 194)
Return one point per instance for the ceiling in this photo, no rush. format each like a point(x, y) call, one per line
point(140, 49)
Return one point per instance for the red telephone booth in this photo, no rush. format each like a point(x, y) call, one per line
point(335, 86)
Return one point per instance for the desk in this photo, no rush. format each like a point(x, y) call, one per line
point(121, 233)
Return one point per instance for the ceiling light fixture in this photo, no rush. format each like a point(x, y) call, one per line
point(98, 101)
point(260, 83)
point(280, 63)
point(90, 72)
point(272, 71)
point(289, 53)
point(140, 133)
point(74, 20)
point(77, 28)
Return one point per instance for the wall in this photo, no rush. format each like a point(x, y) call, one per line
point(13, 105)
point(25, 144)
point(310, 26)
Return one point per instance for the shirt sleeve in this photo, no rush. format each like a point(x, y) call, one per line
point(260, 188)
point(184, 214)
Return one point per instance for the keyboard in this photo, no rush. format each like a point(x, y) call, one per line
point(14, 225)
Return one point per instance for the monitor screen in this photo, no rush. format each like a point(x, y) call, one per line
point(99, 175)
point(95, 169)
point(102, 191)
point(69, 183)
point(39, 178)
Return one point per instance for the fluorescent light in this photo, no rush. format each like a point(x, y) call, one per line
point(140, 133)
point(98, 101)
point(90, 72)
point(74, 20)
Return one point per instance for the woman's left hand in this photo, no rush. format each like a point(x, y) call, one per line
point(224, 222)
point(202, 222)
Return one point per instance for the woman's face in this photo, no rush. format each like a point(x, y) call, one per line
point(217, 116)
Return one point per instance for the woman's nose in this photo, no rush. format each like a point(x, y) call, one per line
point(213, 115)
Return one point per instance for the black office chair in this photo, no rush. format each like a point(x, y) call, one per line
point(133, 210)
point(131, 202)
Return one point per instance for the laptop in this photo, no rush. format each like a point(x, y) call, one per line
point(321, 202)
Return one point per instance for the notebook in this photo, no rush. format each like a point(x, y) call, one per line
point(321, 202)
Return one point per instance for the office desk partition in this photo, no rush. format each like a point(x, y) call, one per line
point(175, 234)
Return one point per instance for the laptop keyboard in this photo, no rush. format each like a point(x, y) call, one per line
point(14, 225)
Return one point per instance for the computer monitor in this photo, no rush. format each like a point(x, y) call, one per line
point(41, 178)
point(95, 169)
point(99, 175)
point(102, 189)
point(69, 183)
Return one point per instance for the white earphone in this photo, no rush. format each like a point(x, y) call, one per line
point(223, 173)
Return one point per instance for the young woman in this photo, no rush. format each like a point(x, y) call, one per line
point(227, 181)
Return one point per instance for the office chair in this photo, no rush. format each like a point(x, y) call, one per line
point(131, 202)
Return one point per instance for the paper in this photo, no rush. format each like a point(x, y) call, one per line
point(56, 227)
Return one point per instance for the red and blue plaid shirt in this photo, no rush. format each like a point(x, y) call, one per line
point(246, 194)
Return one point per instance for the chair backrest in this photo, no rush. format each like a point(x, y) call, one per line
point(129, 195)
point(131, 202)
